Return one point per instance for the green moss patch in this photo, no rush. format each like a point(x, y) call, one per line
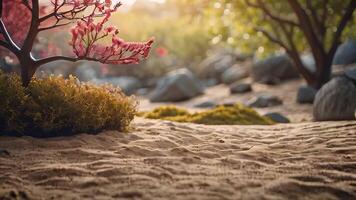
point(221, 115)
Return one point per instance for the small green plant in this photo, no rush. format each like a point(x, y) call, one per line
point(54, 106)
point(221, 115)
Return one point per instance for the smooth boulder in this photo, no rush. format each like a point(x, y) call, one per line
point(336, 100)
point(178, 85)
point(306, 95)
point(346, 53)
point(233, 74)
point(214, 66)
point(273, 69)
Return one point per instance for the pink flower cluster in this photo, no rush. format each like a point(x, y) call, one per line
point(89, 37)
point(17, 19)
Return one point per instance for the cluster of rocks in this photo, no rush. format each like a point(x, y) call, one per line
point(335, 100)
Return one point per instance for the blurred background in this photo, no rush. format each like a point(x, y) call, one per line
point(201, 47)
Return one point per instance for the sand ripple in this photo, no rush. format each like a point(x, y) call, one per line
point(165, 160)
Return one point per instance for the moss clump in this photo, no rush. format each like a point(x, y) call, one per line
point(54, 106)
point(165, 112)
point(221, 115)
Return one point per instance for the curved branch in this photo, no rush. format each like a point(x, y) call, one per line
point(65, 58)
point(55, 58)
point(260, 5)
point(13, 46)
point(33, 31)
point(342, 24)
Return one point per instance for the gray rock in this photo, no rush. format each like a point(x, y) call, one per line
point(238, 88)
point(309, 62)
point(351, 73)
point(273, 69)
point(86, 72)
point(270, 80)
point(209, 82)
point(346, 53)
point(142, 91)
point(214, 66)
point(129, 85)
point(277, 117)
point(265, 100)
point(206, 104)
point(5, 66)
point(336, 100)
point(233, 74)
point(306, 94)
point(178, 85)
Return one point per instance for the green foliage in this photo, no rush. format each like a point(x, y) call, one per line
point(186, 40)
point(12, 103)
point(234, 23)
point(221, 115)
point(56, 106)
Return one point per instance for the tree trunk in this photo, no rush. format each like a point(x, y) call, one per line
point(303, 71)
point(323, 72)
point(27, 72)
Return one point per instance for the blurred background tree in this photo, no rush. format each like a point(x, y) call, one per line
point(292, 26)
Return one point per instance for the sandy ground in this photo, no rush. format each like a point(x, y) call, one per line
point(287, 91)
point(165, 160)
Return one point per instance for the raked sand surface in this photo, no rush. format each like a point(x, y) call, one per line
point(165, 160)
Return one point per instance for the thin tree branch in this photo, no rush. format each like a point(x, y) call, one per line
point(53, 26)
point(0, 8)
point(318, 22)
point(26, 3)
point(7, 37)
point(33, 31)
point(317, 48)
point(261, 5)
point(340, 28)
point(271, 37)
point(57, 58)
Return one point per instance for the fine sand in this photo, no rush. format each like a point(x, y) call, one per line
point(165, 160)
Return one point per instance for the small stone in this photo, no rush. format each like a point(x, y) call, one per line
point(306, 95)
point(277, 117)
point(239, 88)
point(263, 101)
point(206, 104)
point(4, 152)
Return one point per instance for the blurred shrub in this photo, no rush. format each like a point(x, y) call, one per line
point(221, 115)
point(55, 106)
